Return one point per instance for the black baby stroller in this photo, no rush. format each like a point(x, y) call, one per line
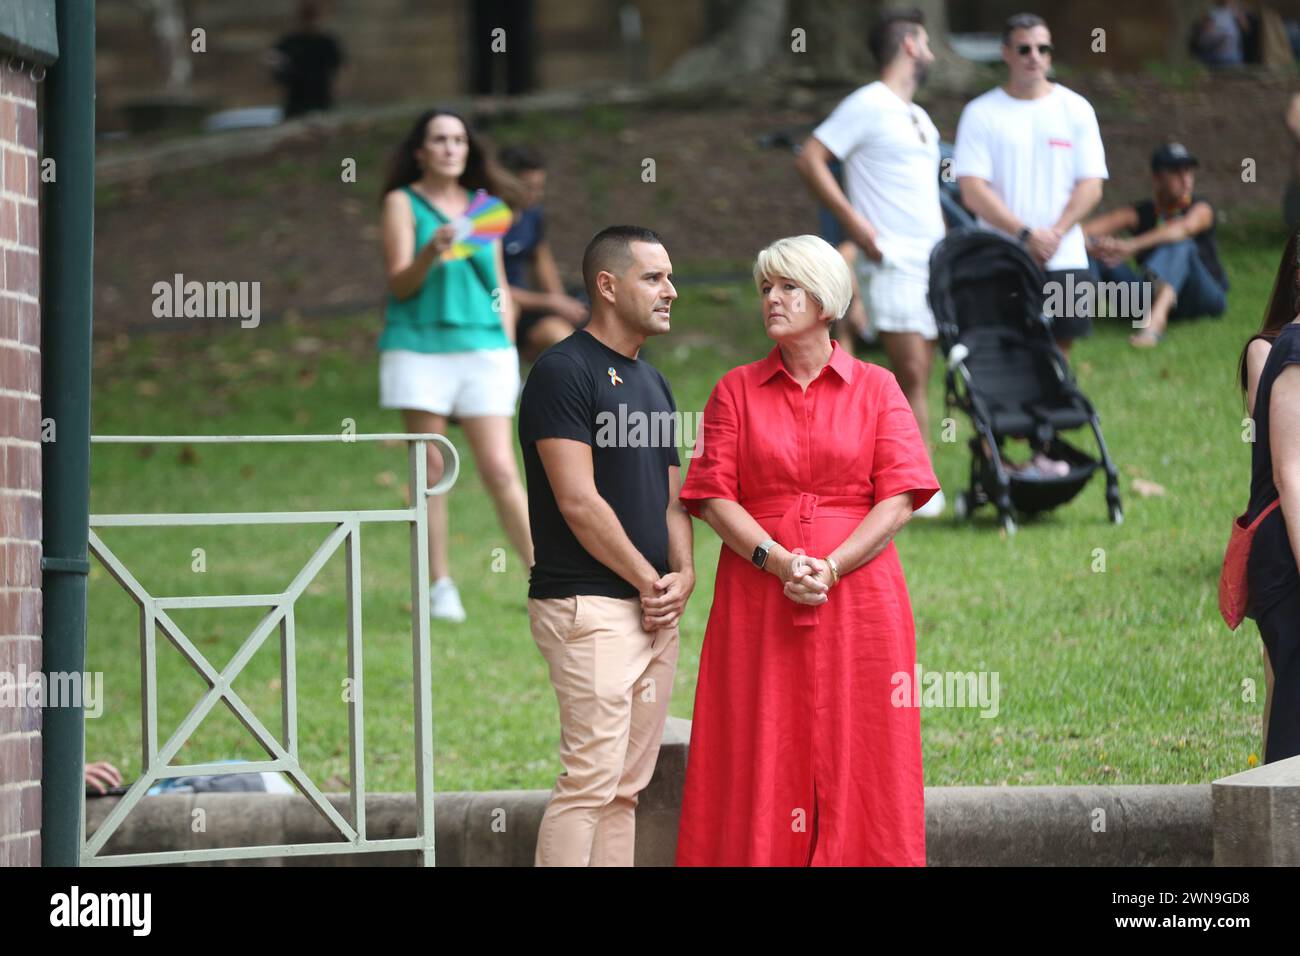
point(1006, 373)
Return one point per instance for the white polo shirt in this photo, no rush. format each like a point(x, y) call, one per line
point(890, 151)
point(1033, 152)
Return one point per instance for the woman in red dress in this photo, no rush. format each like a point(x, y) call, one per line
point(810, 462)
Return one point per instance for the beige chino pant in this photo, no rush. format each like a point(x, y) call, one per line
point(612, 681)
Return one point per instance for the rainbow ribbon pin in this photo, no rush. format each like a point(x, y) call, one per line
point(613, 377)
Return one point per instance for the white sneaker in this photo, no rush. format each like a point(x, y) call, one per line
point(932, 508)
point(444, 601)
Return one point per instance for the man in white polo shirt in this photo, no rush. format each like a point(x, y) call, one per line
point(1030, 163)
point(890, 151)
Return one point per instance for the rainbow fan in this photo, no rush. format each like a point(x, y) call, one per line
point(486, 220)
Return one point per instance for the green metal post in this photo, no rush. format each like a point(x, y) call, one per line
point(66, 276)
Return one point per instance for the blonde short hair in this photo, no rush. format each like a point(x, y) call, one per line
point(814, 264)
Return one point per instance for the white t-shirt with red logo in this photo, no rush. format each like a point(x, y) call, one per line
point(1033, 152)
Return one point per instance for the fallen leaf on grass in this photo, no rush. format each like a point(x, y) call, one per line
point(1148, 489)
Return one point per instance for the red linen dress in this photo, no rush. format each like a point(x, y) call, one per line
point(797, 756)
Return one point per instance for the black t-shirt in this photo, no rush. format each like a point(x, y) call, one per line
point(583, 390)
point(1271, 570)
point(1206, 245)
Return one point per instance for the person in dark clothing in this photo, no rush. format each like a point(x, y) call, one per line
point(1171, 236)
point(614, 551)
point(1226, 36)
point(304, 63)
point(1254, 356)
point(547, 313)
point(1273, 581)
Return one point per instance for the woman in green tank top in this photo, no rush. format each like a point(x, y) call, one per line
point(447, 348)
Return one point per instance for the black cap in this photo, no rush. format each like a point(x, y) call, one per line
point(1172, 156)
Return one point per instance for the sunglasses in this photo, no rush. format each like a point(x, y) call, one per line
point(917, 123)
point(1044, 49)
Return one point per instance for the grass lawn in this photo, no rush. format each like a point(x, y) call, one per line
point(1122, 676)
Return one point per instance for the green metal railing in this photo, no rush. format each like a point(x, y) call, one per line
point(283, 753)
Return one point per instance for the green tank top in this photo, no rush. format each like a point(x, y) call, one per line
point(452, 310)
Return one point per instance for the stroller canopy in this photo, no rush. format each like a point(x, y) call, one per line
point(979, 279)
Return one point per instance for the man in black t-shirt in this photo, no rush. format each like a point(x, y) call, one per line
point(1172, 239)
point(614, 569)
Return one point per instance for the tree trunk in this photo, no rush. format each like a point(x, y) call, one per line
point(167, 21)
point(835, 43)
point(1182, 16)
point(837, 38)
point(745, 46)
point(838, 32)
point(950, 70)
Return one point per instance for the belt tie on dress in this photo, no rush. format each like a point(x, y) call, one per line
point(795, 513)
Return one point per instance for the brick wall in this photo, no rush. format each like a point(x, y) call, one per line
point(20, 470)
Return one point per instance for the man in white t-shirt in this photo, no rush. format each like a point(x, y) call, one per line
point(1030, 163)
point(890, 152)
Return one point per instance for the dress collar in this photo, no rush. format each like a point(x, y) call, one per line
point(841, 362)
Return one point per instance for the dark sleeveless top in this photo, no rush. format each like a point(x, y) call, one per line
point(1206, 246)
point(1271, 570)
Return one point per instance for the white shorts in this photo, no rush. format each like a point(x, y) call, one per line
point(896, 297)
point(463, 384)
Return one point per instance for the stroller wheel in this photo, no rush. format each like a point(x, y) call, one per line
point(1008, 524)
point(1116, 514)
point(961, 506)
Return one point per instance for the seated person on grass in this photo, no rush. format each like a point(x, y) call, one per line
point(547, 314)
point(1171, 236)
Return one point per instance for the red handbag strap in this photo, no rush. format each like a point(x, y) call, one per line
point(1264, 514)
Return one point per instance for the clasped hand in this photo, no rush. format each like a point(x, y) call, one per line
point(808, 580)
point(1111, 250)
point(662, 606)
point(1043, 244)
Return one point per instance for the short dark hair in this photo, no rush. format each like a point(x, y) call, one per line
point(1020, 21)
point(521, 159)
point(887, 34)
point(610, 250)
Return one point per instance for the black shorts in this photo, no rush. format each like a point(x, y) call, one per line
point(527, 319)
point(1073, 321)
